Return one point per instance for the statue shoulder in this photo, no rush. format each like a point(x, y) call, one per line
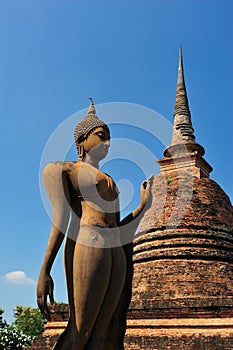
point(55, 183)
point(58, 169)
point(56, 174)
point(55, 177)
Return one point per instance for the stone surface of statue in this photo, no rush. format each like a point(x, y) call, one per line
point(98, 265)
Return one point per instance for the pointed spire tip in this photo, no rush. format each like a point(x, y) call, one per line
point(180, 50)
point(180, 79)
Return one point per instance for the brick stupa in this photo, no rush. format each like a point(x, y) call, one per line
point(183, 252)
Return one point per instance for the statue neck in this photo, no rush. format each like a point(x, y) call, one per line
point(89, 160)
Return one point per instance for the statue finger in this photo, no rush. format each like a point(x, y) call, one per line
point(45, 309)
point(46, 312)
point(40, 303)
point(144, 184)
point(51, 297)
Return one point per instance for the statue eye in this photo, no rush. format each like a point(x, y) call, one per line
point(102, 136)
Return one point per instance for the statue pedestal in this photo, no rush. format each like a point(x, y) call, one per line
point(195, 333)
point(59, 318)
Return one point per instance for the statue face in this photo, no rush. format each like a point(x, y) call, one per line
point(97, 143)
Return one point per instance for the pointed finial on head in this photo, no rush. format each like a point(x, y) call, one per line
point(87, 124)
point(92, 107)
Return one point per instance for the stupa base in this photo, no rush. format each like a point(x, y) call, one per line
point(48, 338)
point(180, 333)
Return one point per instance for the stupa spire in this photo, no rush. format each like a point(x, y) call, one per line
point(183, 129)
point(184, 149)
point(180, 79)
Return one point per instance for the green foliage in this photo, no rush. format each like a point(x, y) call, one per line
point(28, 323)
point(12, 339)
point(226, 228)
point(28, 320)
point(2, 322)
point(169, 179)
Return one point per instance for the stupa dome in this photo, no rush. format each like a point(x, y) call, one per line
point(183, 250)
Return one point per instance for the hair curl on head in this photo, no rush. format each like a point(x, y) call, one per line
point(83, 129)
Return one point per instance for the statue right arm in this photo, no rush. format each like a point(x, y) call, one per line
point(54, 179)
point(129, 224)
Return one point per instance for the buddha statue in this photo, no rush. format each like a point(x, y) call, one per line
point(98, 266)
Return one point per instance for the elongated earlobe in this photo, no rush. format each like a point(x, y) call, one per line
point(81, 152)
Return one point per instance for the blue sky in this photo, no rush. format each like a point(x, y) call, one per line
point(54, 54)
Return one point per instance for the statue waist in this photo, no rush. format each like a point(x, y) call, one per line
point(98, 236)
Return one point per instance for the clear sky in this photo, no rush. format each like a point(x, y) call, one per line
point(56, 53)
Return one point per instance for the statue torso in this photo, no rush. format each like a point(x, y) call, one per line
point(94, 190)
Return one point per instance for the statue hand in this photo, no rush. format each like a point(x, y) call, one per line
point(45, 288)
point(145, 195)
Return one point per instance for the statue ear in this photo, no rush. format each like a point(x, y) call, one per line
point(81, 151)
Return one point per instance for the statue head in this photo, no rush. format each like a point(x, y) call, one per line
point(88, 125)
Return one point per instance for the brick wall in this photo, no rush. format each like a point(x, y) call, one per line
point(183, 265)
